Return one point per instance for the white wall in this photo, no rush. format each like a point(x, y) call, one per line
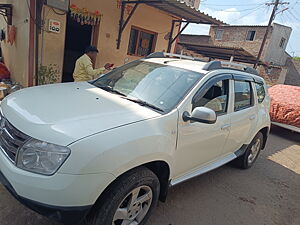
point(16, 55)
point(275, 53)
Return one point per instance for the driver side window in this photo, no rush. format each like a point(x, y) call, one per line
point(215, 98)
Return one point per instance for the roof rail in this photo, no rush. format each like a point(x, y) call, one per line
point(214, 65)
point(170, 55)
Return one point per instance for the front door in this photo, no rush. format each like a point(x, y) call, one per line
point(78, 37)
point(199, 143)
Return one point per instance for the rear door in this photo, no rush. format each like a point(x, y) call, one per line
point(244, 116)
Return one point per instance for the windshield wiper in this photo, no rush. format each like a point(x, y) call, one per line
point(143, 103)
point(110, 89)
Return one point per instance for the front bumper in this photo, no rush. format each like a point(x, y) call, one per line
point(62, 197)
point(66, 215)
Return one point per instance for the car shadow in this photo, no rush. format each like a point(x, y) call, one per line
point(285, 133)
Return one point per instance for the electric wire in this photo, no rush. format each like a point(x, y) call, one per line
point(247, 14)
point(58, 13)
point(235, 11)
point(240, 5)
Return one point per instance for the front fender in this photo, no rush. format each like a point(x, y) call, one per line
point(121, 149)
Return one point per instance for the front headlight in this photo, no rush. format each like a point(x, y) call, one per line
point(41, 157)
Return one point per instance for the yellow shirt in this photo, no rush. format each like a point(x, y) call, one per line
point(84, 70)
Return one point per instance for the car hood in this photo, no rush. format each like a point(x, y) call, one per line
point(64, 113)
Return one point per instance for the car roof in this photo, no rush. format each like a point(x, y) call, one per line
point(198, 66)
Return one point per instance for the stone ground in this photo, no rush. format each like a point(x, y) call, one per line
point(267, 194)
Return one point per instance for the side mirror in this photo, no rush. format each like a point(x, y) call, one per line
point(201, 115)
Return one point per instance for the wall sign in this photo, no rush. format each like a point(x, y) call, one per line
point(54, 26)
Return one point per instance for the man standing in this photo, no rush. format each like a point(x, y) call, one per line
point(84, 70)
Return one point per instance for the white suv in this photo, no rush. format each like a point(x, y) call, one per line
point(104, 152)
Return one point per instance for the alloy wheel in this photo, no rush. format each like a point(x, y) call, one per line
point(134, 207)
point(254, 151)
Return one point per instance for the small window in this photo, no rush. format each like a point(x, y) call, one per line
point(251, 35)
point(261, 92)
point(282, 43)
point(219, 34)
point(216, 98)
point(243, 95)
point(141, 42)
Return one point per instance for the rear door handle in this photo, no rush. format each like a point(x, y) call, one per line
point(252, 117)
point(225, 127)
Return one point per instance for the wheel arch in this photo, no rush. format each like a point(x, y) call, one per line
point(265, 132)
point(159, 167)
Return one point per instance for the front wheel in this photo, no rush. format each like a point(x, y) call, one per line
point(129, 201)
point(248, 159)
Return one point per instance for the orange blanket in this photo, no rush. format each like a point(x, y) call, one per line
point(285, 104)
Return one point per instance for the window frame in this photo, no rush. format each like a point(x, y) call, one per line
point(282, 42)
point(207, 85)
point(265, 92)
point(222, 32)
point(253, 36)
point(139, 29)
point(252, 101)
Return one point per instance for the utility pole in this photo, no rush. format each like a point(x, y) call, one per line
point(275, 8)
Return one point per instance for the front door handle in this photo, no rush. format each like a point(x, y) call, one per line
point(225, 127)
point(252, 117)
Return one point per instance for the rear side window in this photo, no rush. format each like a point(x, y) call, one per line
point(261, 92)
point(243, 95)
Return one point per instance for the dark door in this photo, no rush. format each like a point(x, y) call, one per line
point(78, 37)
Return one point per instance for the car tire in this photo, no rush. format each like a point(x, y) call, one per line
point(247, 160)
point(131, 198)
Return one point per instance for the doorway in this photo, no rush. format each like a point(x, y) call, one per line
point(78, 37)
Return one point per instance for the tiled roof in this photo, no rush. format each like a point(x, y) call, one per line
point(221, 52)
point(182, 10)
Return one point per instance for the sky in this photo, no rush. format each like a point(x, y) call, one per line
point(252, 12)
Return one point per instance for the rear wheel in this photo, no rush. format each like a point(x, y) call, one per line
point(250, 156)
point(130, 200)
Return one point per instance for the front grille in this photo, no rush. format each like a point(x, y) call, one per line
point(11, 139)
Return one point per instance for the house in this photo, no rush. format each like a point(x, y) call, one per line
point(250, 38)
point(240, 43)
point(48, 36)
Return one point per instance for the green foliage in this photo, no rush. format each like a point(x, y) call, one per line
point(48, 74)
point(296, 58)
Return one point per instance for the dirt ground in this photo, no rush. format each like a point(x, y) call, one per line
point(267, 194)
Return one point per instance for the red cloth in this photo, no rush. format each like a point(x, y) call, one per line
point(12, 32)
point(285, 104)
point(4, 72)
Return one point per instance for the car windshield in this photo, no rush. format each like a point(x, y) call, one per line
point(156, 85)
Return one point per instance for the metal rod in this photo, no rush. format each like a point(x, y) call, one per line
point(121, 25)
point(180, 32)
point(129, 17)
point(171, 36)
